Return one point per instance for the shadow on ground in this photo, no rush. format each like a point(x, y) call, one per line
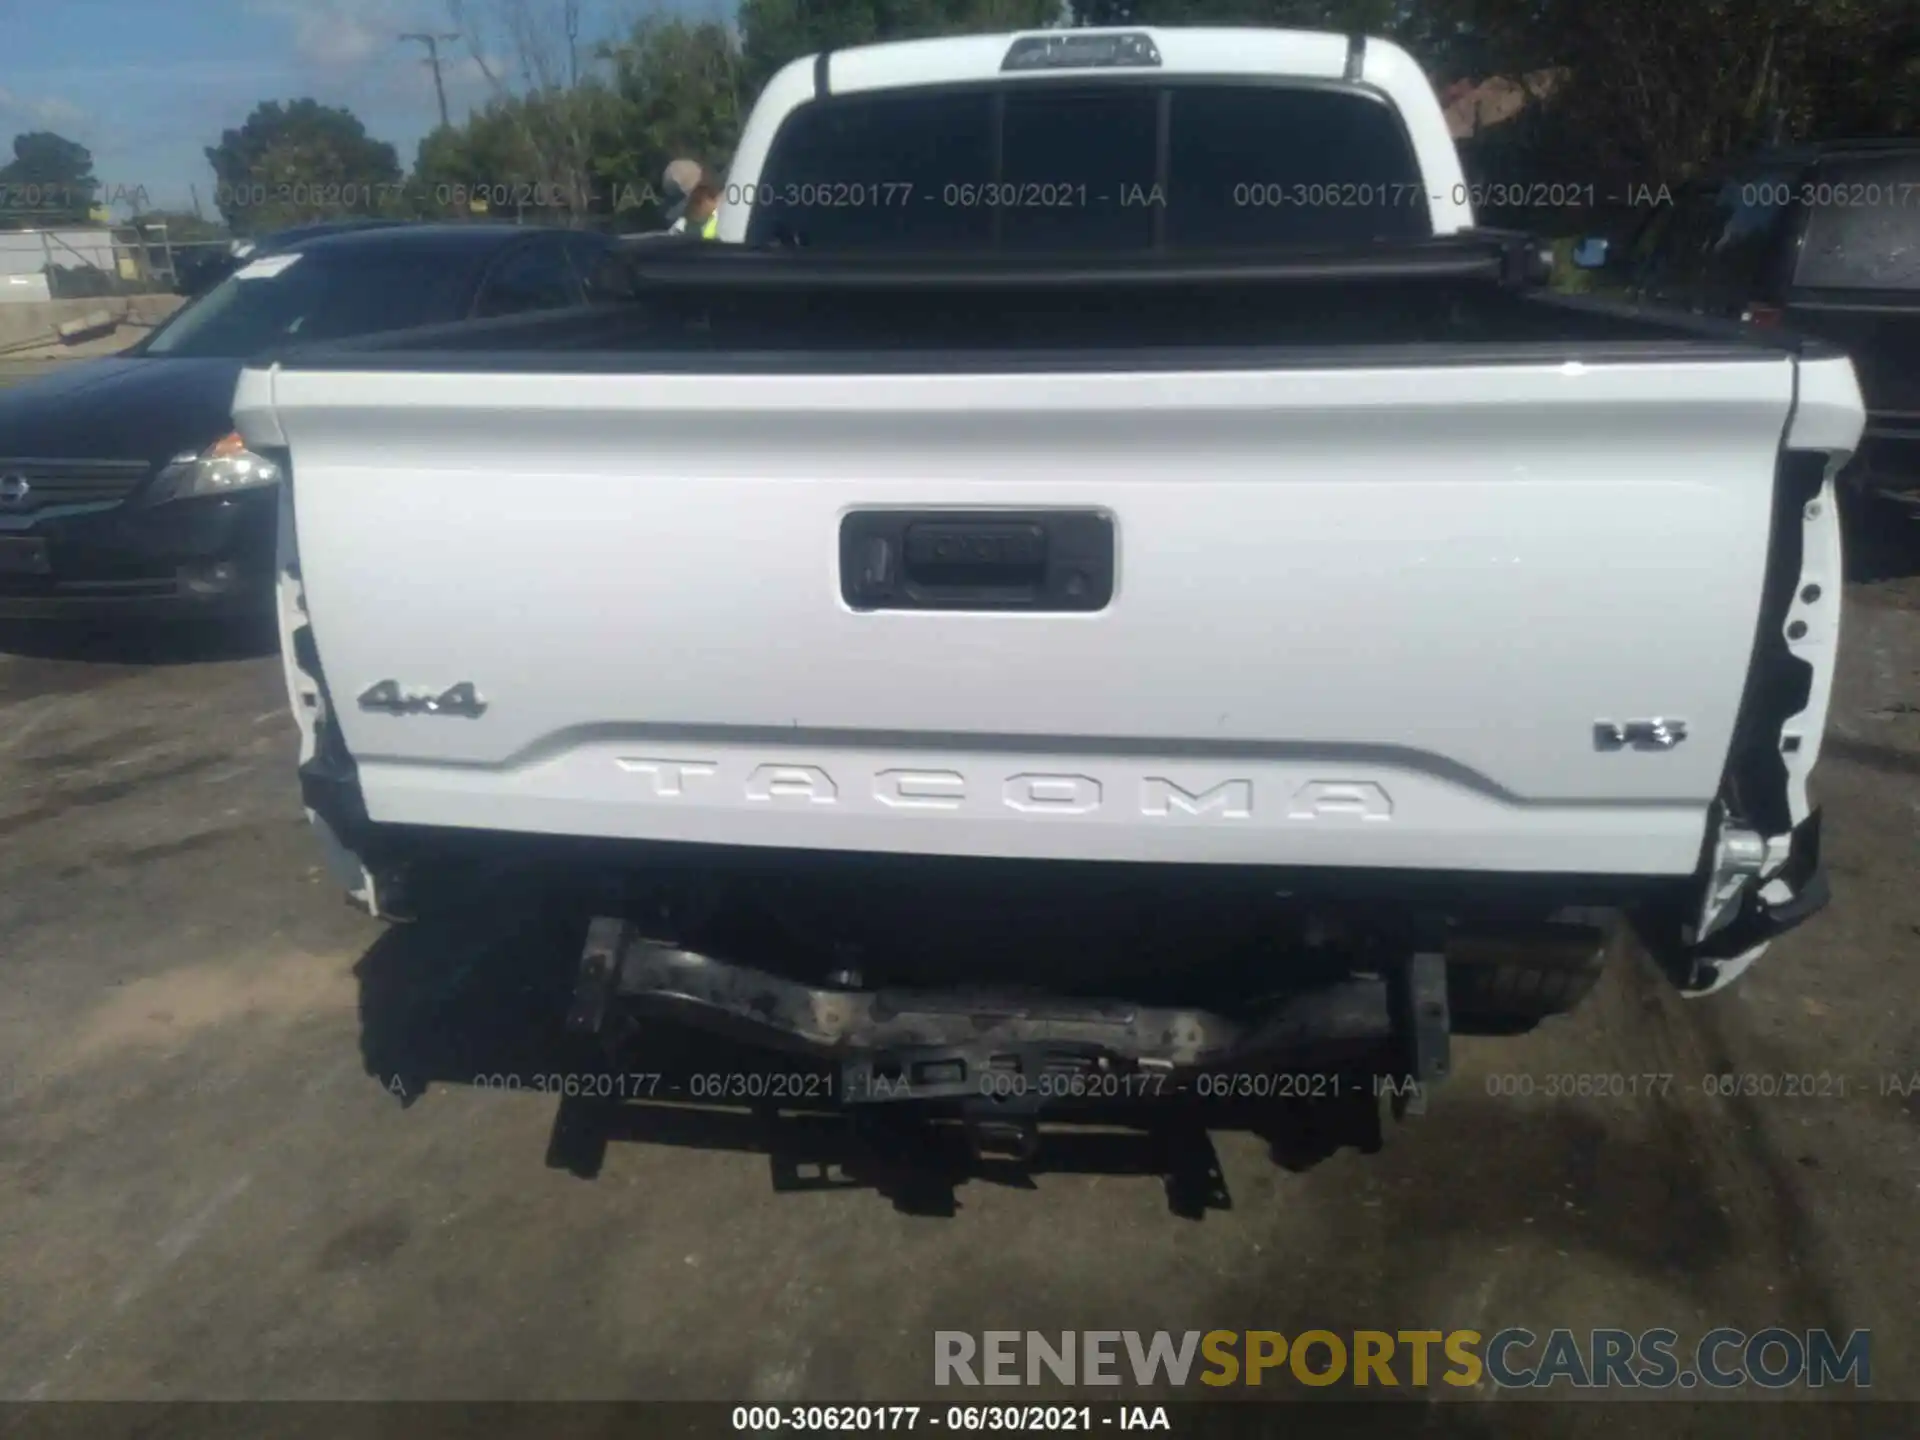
point(1881, 541)
point(1685, 1200)
point(479, 996)
point(188, 642)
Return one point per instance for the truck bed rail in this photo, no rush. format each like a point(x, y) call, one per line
point(1492, 256)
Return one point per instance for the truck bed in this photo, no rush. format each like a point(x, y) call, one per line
point(1390, 542)
point(697, 308)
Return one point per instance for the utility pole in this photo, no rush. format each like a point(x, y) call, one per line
point(432, 42)
point(573, 43)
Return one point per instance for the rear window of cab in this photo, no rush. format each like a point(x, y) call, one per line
point(1077, 165)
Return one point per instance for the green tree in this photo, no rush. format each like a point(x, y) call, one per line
point(1433, 29)
point(679, 89)
point(530, 56)
point(1855, 70)
point(48, 182)
point(299, 162)
point(457, 165)
point(1643, 93)
point(526, 157)
point(1652, 94)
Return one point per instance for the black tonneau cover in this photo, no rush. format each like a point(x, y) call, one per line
point(1488, 256)
point(698, 307)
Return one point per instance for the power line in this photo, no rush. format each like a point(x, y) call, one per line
point(432, 42)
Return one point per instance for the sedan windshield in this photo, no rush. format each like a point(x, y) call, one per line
point(296, 297)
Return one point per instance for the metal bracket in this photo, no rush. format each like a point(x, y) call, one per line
point(990, 1055)
point(1001, 1130)
point(1739, 856)
point(1426, 1021)
point(999, 1073)
point(599, 973)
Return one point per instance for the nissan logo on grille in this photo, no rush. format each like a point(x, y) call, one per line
point(14, 492)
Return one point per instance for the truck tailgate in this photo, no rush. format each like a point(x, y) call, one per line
point(1360, 616)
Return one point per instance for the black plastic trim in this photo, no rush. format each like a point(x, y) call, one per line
point(1440, 891)
point(821, 79)
point(1356, 58)
point(1707, 327)
point(330, 781)
point(1779, 683)
point(1481, 255)
point(620, 339)
point(1897, 302)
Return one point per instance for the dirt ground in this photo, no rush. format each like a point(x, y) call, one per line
point(26, 363)
point(242, 1154)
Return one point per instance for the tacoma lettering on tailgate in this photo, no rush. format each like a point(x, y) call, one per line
point(1028, 792)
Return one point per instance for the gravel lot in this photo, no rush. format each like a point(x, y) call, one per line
point(241, 1155)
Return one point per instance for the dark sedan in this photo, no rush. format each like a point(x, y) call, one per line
point(123, 489)
point(203, 271)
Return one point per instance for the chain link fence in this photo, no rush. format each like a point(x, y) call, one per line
point(84, 262)
point(80, 262)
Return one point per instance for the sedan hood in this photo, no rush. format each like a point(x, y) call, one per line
point(119, 408)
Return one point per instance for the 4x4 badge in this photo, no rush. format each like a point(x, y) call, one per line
point(388, 698)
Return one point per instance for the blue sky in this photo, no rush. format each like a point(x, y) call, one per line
point(146, 85)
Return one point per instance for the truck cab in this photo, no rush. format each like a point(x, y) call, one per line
point(1107, 141)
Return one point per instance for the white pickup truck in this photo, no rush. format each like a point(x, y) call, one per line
point(1109, 571)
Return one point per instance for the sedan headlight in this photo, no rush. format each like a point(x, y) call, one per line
point(222, 468)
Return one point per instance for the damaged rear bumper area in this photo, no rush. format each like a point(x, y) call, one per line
point(1002, 1058)
point(1754, 896)
point(1761, 863)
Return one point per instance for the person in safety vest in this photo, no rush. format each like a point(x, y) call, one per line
point(703, 210)
point(693, 194)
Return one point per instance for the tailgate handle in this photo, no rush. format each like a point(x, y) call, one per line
point(1034, 560)
point(959, 553)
